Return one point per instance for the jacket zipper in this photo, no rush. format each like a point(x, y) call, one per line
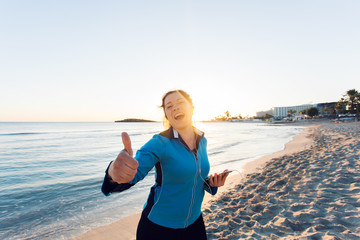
point(193, 191)
point(198, 169)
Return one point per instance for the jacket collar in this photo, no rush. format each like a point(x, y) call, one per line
point(171, 133)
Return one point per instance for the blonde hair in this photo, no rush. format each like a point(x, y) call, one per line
point(165, 122)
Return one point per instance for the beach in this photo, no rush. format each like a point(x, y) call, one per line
point(309, 190)
point(51, 173)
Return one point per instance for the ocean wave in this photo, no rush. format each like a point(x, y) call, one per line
point(32, 207)
point(22, 133)
point(56, 132)
point(214, 153)
point(142, 133)
point(224, 147)
point(228, 161)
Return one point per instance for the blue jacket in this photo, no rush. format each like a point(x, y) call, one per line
point(176, 197)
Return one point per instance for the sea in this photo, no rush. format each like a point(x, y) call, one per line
point(51, 172)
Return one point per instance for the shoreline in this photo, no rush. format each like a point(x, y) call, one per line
point(126, 227)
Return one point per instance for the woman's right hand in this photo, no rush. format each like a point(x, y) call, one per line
point(124, 168)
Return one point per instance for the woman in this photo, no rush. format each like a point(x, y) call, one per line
point(173, 208)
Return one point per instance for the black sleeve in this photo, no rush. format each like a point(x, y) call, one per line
point(109, 186)
point(208, 188)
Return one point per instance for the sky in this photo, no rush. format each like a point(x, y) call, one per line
point(109, 60)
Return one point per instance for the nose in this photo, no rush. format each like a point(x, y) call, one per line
point(175, 107)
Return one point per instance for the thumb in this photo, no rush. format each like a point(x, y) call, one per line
point(127, 143)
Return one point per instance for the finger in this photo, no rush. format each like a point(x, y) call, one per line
point(127, 160)
point(127, 143)
point(221, 180)
point(224, 175)
point(224, 178)
point(129, 172)
point(215, 179)
point(126, 176)
point(211, 180)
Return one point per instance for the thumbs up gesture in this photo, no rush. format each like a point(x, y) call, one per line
point(124, 168)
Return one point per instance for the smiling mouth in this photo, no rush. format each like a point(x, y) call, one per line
point(179, 116)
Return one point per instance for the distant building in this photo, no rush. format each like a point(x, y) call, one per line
point(326, 109)
point(264, 113)
point(283, 112)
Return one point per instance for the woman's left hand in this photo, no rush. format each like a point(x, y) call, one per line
point(218, 180)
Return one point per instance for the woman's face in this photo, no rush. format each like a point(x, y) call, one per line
point(178, 111)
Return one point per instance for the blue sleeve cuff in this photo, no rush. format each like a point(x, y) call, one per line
point(110, 186)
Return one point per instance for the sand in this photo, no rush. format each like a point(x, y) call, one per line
point(310, 190)
point(311, 194)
